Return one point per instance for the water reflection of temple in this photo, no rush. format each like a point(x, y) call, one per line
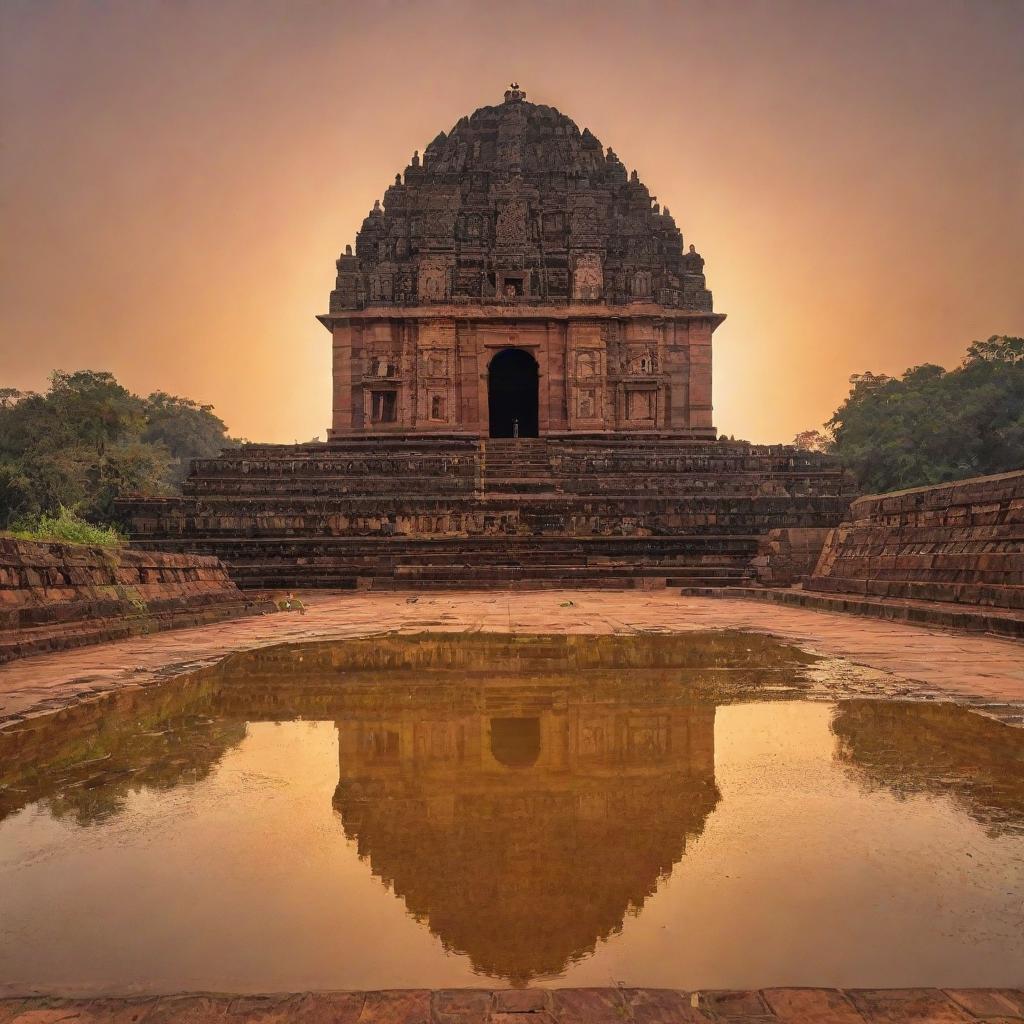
point(522, 794)
point(521, 823)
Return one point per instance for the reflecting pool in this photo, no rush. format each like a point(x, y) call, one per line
point(444, 810)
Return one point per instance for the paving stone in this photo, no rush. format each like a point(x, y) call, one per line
point(400, 1007)
point(520, 1000)
point(904, 1006)
point(662, 1006)
point(589, 1005)
point(328, 1008)
point(983, 1002)
point(188, 1010)
point(117, 1011)
point(1015, 997)
point(811, 1006)
point(731, 1005)
point(461, 1006)
point(264, 1009)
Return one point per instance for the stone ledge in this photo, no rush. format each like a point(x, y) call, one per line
point(556, 1006)
point(57, 596)
point(948, 615)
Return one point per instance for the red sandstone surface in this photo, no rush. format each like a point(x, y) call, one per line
point(553, 1006)
point(894, 659)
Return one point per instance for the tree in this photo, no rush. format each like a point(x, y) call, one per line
point(932, 425)
point(89, 440)
point(186, 429)
point(812, 441)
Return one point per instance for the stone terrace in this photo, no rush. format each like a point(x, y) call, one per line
point(961, 542)
point(449, 513)
point(951, 555)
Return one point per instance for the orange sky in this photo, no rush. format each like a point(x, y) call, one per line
point(179, 177)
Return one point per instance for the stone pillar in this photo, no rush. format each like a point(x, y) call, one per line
point(341, 412)
point(676, 364)
point(700, 373)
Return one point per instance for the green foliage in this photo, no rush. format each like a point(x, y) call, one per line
point(186, 429)
point(89, 440)
point(68, 527)
point(932, 425)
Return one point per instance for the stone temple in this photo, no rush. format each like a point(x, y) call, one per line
point(521, 395)
point(520, 279)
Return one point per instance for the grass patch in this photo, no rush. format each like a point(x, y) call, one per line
point(67, 526)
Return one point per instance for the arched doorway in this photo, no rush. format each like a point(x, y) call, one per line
point(512, 393)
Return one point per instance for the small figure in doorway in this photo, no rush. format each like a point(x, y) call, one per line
point(515, 428)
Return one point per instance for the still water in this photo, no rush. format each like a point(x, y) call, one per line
point(485, 810)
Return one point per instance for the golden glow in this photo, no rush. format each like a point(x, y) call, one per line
point(179, 178)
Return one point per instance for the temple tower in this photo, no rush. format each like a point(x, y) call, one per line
point(519, 280)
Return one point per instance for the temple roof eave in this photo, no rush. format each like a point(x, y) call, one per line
point(504, 313)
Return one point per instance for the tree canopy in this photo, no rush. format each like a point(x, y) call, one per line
point(932, 425)
point(89, 440)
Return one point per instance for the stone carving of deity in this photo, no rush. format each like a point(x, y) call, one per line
point(588, 277)
point(432, 284)
point(585, 405)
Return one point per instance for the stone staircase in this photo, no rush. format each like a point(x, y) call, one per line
point(535, 563)
point(515, 467)
point(444, 513)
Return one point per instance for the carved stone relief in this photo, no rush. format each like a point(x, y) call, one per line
point(432, 285)
point(511, 228)
point(586, 404)
point(587, 364)
point(588, 277)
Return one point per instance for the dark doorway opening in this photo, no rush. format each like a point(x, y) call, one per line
point(515, 742)
point(512, 394)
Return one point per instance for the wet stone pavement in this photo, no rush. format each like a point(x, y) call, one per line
point(556, 1006)
point(905, 662)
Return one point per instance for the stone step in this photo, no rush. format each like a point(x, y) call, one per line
point(526, 583)
point(948, 615)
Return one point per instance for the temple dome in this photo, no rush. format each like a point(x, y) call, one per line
point(516, 203)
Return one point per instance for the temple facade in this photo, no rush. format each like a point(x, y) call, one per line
point(519, 281)
point(522, 397)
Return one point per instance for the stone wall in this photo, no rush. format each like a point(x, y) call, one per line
point(786, 556)
point(55, 596)
point(960, 542)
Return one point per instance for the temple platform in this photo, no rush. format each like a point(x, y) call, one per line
point(441, 512)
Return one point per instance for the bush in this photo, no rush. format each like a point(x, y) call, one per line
point(68, 527)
